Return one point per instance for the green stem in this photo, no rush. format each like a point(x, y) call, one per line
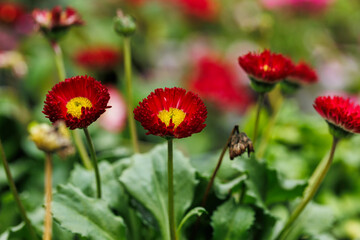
point(94, 162)
point(271, 124)
point(48, 198)
point(15, 194)
point(59, 60)
point(257, 119)
point(171, 191)
point(127, 66)
point(310, 191)
point(81, 149)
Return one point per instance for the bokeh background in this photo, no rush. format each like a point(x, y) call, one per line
point(193, 44)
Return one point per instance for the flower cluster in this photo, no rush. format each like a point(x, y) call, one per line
point(55, 22)
point(171, 113)
point(202, 9)
point(100, 58)
point(266, 69)
point(342, 114)
point(78, 101)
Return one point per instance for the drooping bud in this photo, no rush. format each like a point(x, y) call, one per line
point(52, 139)
point(239, 143)
point(124, 25)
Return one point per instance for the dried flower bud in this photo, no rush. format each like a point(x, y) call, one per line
point(239, 143)
point(52, 139)
point(124, 24)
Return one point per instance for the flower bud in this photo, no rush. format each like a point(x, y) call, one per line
point(124, 24)
point(52, 139)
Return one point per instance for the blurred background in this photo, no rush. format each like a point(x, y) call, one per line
point(192, 44)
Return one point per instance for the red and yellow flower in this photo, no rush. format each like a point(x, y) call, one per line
point(266, 67)
point(342, 115)
point(53, 23)
point(171, 113)
point(78, 101)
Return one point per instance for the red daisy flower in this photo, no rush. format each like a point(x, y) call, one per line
point(171, 112)
point(342, 114)
point(214, 79)
point(100, 58)
point(266, 67)
point(302, 74)
point(56, 20)
point(78, 101)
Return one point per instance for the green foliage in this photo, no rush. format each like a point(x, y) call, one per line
point(265, 186)
point(232, 221)
point(149, 171)
point(89, 217)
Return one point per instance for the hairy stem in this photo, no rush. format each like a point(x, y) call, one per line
point(48, 197)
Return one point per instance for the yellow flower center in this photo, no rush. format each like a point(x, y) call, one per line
point(174, 114)
point(74, 106)
point(266, 68)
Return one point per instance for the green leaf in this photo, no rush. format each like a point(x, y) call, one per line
point(314, 221)
point(265, 186)
point(195, 211)
point(146, 181)
point(15, 233)
point(113, 191)
point(89, 217)
point(231, 221)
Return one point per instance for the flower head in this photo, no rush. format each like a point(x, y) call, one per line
point(266, 67)
point(171, 112)
point(55, 22)
point(78, 101)
point(52, 139)
point(101, 58)
point(214, 79)
point(342, 115)
point(302, 74)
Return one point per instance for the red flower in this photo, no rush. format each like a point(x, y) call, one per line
point(215, 80)
point(171, 112)
point(339, 112)
point(56, 19)
point(78, 101)
point(100, 58)
point(266, 67)
point(302, 74)
point(10, 12)
point(203, 9)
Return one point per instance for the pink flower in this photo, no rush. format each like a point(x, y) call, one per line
point(312, 6)
point(114, 119)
